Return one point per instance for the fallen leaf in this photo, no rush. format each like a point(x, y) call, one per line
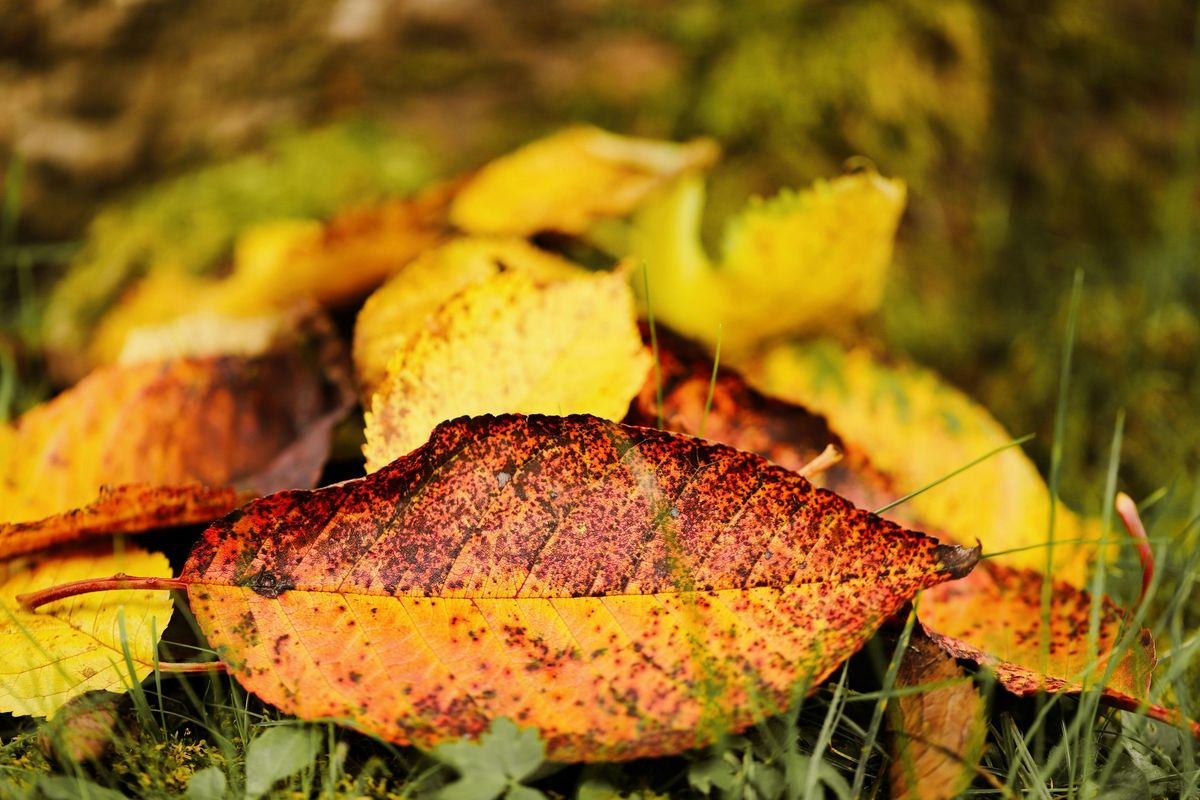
point(280, 264)
point(127, 508)
point(346, 257)
point(205, 334)
point(77, 645)
point(511, 344)
point(937, 735)
point(569, 180)
point(985, 617)
point(745, 419)
point(994, 618)
point(147, 445)
point(189, 224)
point(626, 592)
point(400, 308)
point(917, 429)
point(799, 262)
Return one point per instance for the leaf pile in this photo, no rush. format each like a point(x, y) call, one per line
point(507, 551)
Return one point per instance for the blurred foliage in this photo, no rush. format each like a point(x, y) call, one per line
point(189, 224)
point(1035, 138)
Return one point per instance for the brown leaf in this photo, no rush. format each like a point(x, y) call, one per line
point(746, 419)
point(143, 446)
point(938, 734)
point(627, 592)
point(83, 729)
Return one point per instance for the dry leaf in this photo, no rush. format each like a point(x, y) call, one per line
point(938, 735)
point(399, 309)
point(143, 446)
point(76, 645)
point(511, 344)
point(84, 729)
point(995, 618)
point(569, 180)
point(800, 262)
point(627, 592)
point(986, 617)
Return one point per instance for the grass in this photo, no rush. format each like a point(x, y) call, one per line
point(173, 732)
point(173, 735)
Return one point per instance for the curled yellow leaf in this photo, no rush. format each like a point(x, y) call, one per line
point(568, 181)
point(276, 266)
point(797, 263)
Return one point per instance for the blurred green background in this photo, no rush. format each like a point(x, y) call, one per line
point(1036, 139)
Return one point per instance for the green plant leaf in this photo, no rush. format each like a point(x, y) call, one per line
point(519, 792)
point(65, 787)
point(207, 784)
point(277, 754)
point(503, 757)
point(716, 772)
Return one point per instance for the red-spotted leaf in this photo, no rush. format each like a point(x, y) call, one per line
point(995, 618)
point(625, 591)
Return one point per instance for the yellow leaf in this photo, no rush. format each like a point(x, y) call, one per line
point(77, 645)
point(511, 344)
point(398, 309)
point(567, 181)
point(276, 266)
point(917, 428)
point(797, 263)
point(203, 334)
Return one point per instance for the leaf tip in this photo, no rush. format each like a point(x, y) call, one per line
point(956, 560)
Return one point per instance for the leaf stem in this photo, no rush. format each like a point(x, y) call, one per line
point(1127, 509)
point(33, 600)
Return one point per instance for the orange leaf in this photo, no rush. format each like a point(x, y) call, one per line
point(995, 618)
point(163, 444)
point(627, 592)
point(128, 508)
